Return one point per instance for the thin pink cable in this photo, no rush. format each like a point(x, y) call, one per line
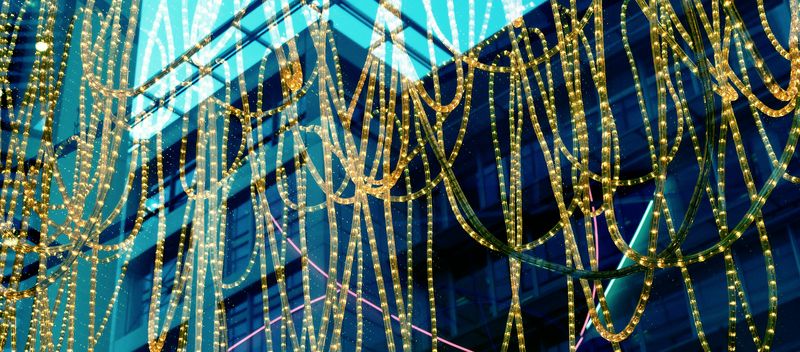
point(349, 292)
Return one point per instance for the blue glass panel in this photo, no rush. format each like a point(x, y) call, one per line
point(196, 93)
point(290, 26)
point(230, 65)
point(489, 17)
point(169, 27)
point(345, 23)
point(241, 61)
point(418, 42)
point(167, 30)
point(139, 104)
point(401, 61)
point(171, 80)
point(218, 46)
point(153, 123)
point(376, 14)
point(262, 15)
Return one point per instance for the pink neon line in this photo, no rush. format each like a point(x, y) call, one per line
point(249, 336)
point(349, 292)
point(296, 309)
point(273, 321)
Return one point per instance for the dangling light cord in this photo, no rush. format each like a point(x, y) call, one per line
point(597, 257)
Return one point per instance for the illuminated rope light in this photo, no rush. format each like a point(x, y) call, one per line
point(597, 258)
point(315, 300)
point(70, 193)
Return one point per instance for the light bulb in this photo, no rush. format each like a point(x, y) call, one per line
point(41, 46)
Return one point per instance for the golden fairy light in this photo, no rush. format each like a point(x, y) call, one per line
point(70, 193)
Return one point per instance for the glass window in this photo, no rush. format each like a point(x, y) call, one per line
point(141, 289)
point(353, 28)
point(167, 29)
point(240, 236)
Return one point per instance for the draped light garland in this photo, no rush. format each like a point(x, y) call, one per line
point(362, 162)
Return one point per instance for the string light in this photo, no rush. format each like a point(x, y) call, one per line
point(42, 46)
point(359, 170)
